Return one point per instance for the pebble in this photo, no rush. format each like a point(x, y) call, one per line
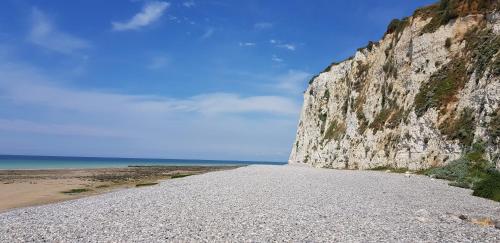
point(263, 204)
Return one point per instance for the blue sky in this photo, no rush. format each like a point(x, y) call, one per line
point(170, 79)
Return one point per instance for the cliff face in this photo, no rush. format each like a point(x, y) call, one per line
point(418, 98)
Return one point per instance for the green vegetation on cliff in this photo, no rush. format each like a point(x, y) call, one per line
point(461, 128)
point(482, 45)
point(472, 171)
point(442, 87)
point(446, 10)
point(335, 131)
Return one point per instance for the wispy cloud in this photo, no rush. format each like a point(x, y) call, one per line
point(189, 4)
point(280, 44)
point(210, 125)
point(45, 34)
point(159, 62)
point(174, 19)
point(263, 25)
point(208, 33)
point(233, 103)
point(151, 12)
point(275, 58)
point(247, 44)
point(293, 82)
point(19, 125)
point(47, 93)
point(287, 46)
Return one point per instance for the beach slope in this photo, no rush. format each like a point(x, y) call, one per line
point(266, 203)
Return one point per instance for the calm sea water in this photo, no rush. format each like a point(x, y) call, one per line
point(57, 162)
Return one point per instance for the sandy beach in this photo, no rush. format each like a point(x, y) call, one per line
point(266, 204)
point(22, 188)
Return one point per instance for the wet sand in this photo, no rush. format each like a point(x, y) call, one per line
point(22, 188)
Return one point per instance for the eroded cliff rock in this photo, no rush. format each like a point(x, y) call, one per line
point(416, 99)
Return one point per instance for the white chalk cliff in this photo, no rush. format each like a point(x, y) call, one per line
point(416, 99)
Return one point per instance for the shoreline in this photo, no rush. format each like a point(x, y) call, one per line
point(121, 167)
point(34, 187)
point(36, 162)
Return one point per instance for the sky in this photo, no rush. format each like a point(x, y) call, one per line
point(213, 79)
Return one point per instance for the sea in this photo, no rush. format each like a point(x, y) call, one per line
point(24, 162)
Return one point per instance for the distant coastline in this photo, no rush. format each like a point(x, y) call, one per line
point(32, 162)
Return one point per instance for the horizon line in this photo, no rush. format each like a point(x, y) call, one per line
point(118, 157)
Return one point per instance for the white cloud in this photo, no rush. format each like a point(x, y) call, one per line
point(208, 33)
point(189, 4)
point(263, 25)
point(151, 12)
point(41, 114)
point(276, 59)
point(43, 33)
point(293, 82)
point(280, 44)
point(232, 103)
point(19, 125)
point(173, 18)
point(287, 46)
point(247, 44)
point(159, 62)
point(15, 86)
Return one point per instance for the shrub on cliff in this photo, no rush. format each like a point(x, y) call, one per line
point(472, 171)
point(442, 87)
point(446, 10)
point(489, 187)
point(454, 171)
point(396, 26)
point(494, 127)
point(460, 128)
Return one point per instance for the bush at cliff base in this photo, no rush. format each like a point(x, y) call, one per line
point(489, 187)
point(472, 171)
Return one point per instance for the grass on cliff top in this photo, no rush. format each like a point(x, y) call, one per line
point(443, 12)
point(471, 171)
point(446, 10)
point(397, 26)
point(329, 68)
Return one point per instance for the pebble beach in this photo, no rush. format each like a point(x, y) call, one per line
point(266, 203)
